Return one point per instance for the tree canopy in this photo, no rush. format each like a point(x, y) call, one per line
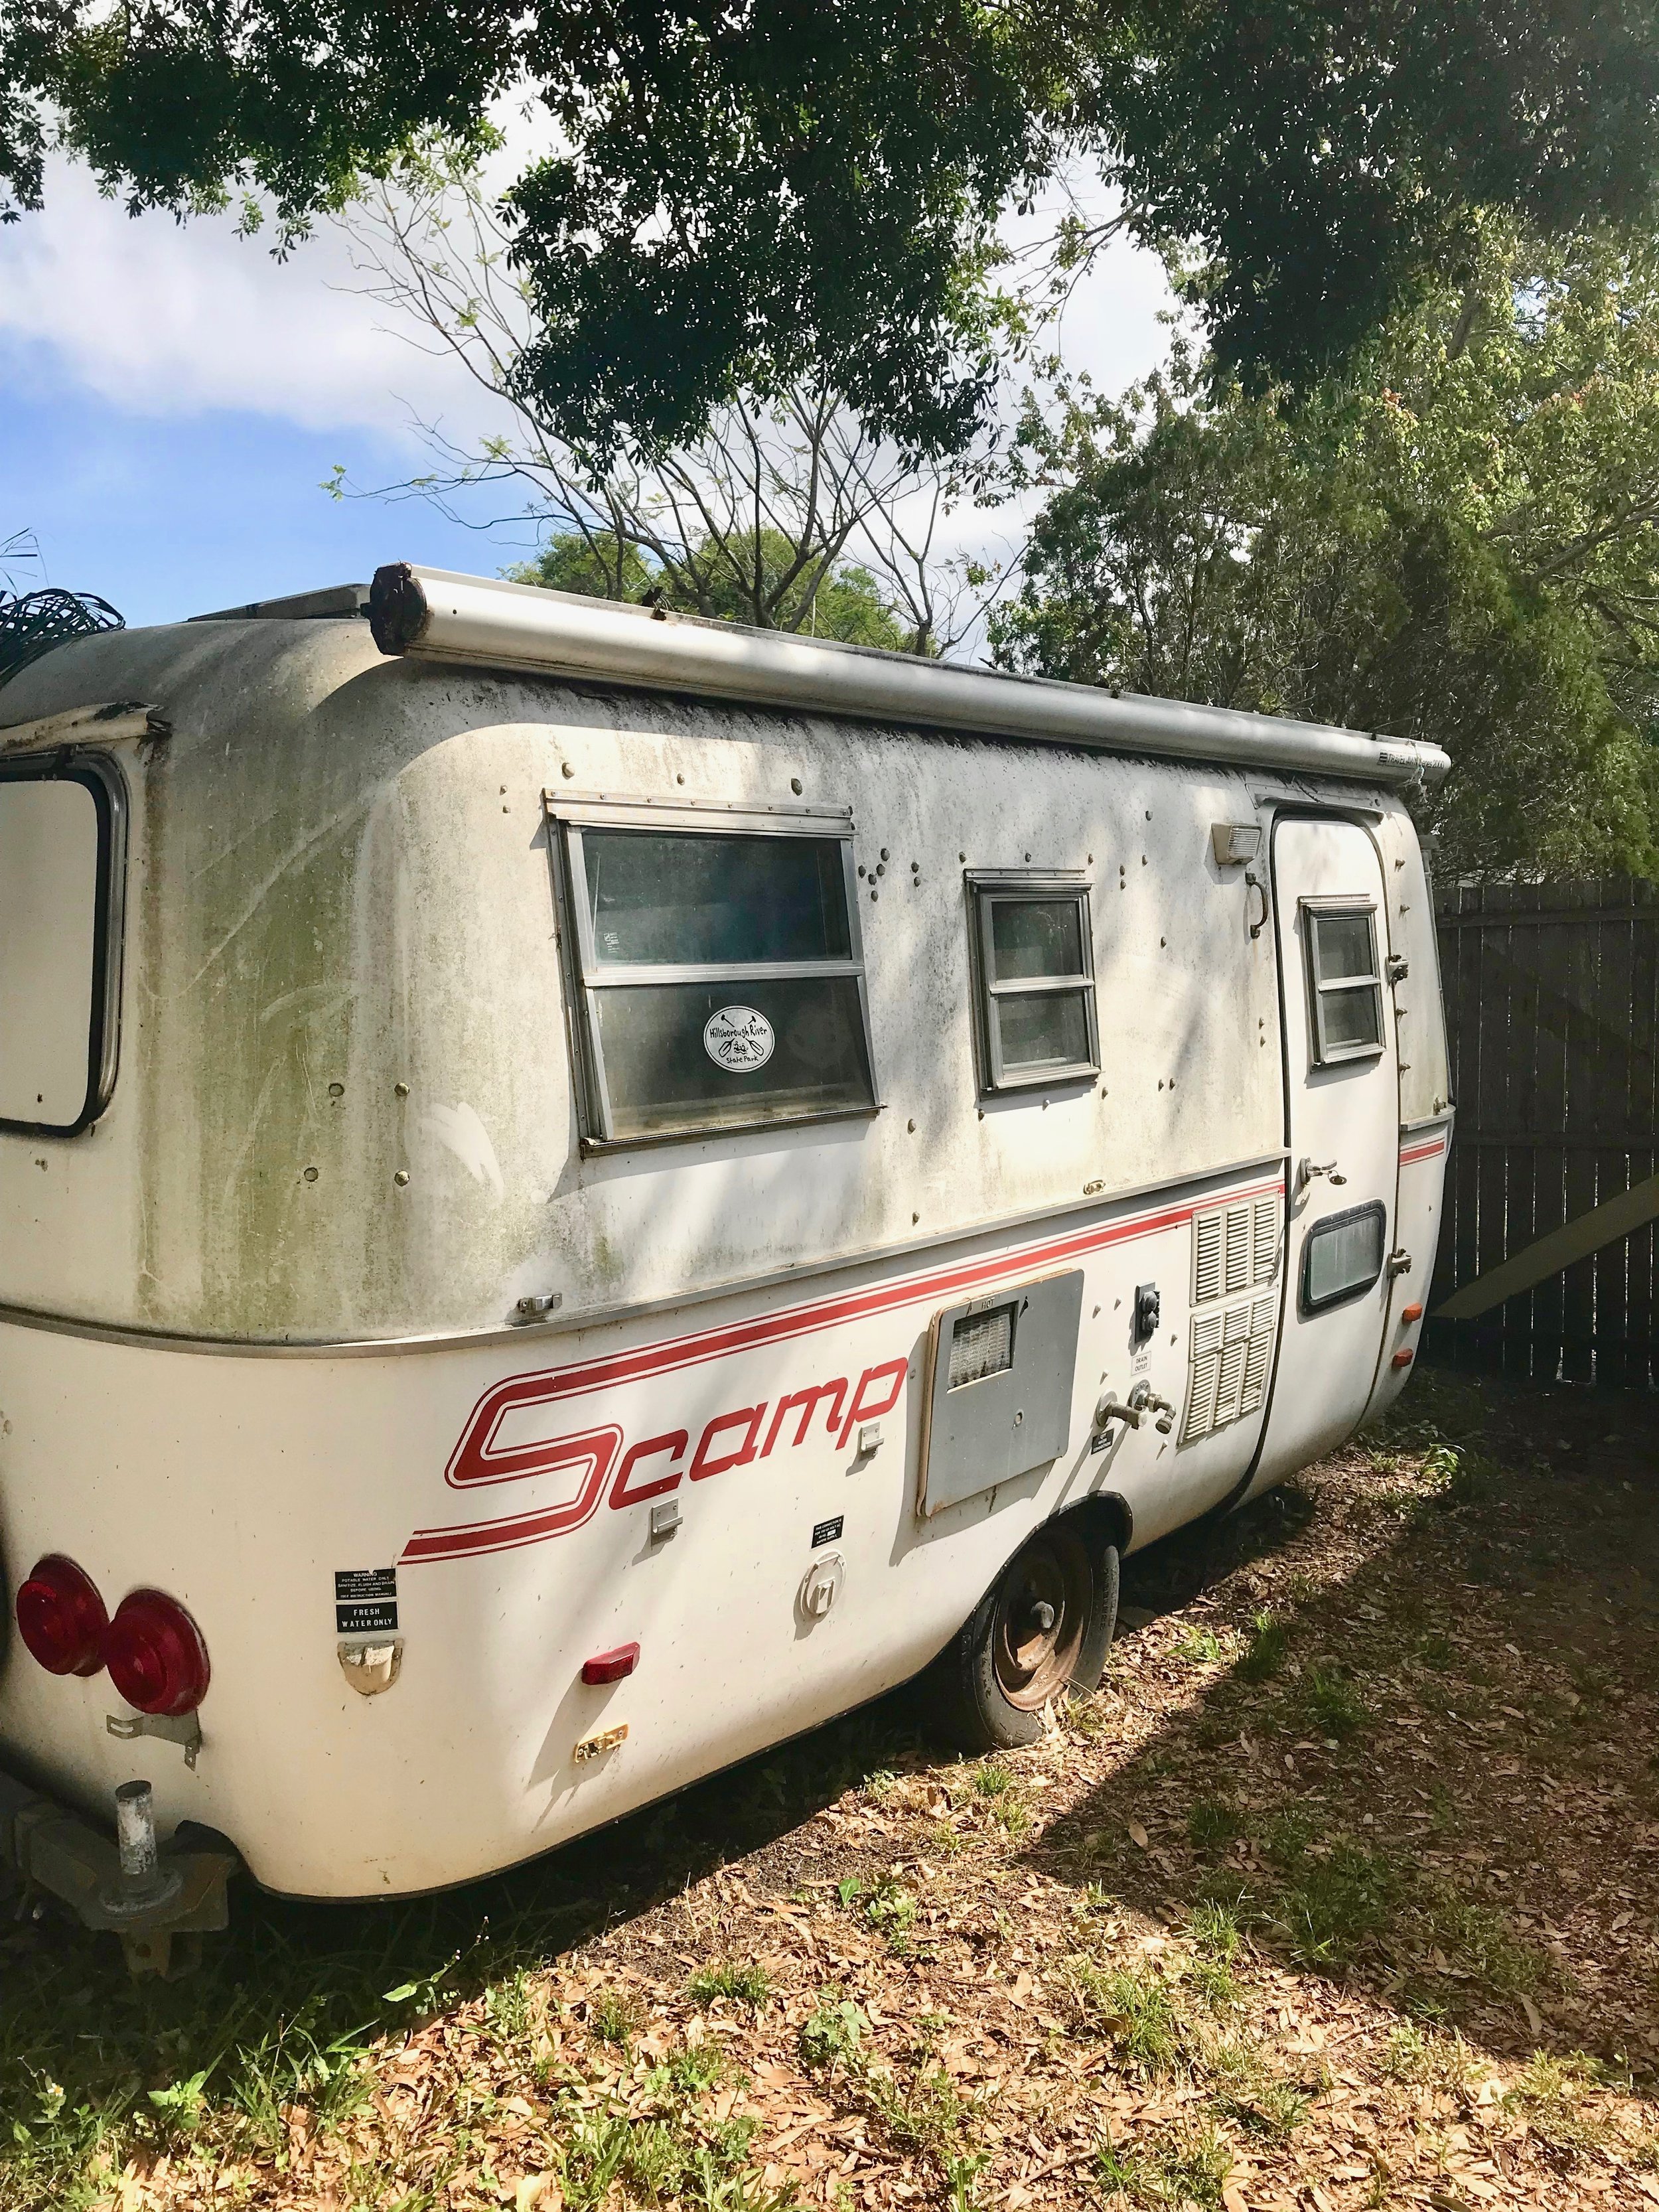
point(756, 578)
point(1460, 542)
point(739, 193)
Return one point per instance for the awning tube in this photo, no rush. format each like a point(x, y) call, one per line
point(435, 615)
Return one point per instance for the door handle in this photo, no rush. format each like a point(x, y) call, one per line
point(1306, 1170)
point(1254, 882)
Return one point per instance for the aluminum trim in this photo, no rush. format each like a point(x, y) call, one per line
point(566, 1321)
point(434, 614)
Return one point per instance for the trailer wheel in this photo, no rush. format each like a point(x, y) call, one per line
point(1045, 1626)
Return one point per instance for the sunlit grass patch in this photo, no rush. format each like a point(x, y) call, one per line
point(1184, 2166)
point(743, 1983)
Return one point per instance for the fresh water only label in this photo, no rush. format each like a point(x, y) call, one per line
point(365, 1600)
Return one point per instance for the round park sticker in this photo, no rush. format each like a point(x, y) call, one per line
point(738, 1039)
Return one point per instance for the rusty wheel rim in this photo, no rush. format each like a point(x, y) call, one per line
point(1042, 1611)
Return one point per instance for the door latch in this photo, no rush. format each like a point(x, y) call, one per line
point(1306, 1170)
point(1396, 968)
point(1400, 1261)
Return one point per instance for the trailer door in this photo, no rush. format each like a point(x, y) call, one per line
point(1342, 1128)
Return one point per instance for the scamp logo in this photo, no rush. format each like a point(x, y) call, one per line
point(581, 1467)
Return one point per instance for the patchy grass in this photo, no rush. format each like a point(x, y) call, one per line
point(1343, 1880)
point(738, 1982)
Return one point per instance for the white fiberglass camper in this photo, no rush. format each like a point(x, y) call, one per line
point(581, 1192)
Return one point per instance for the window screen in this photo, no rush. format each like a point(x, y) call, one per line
point(719, 980)
point(1035, 970)
point(57, 878)
point(1342, 1256)
point(981, 1344)
point(1345, 988)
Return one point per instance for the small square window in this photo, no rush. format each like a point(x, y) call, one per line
point(1345, 985)
point(1034, 980)
point(719, 982)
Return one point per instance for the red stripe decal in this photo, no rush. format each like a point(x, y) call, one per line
point(474, 1461)
point(480, 1458)
point(1423, 1152)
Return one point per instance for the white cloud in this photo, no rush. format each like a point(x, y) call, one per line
point(165, 318)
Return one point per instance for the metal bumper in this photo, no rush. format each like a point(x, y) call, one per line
point(47, 1848)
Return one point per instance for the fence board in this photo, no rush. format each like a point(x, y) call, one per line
point(1553, 1017)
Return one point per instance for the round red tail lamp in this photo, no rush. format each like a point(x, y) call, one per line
point(61, 1616)
point(155, 1654)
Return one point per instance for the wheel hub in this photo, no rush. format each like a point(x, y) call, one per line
point(1042, 1617)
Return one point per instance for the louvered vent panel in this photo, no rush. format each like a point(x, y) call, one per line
point(1255, 1374)
point(1231, 1346)
point(1207, 1237)
point(1264, 1240)
point(1238, 1248)
point(1231, 1382)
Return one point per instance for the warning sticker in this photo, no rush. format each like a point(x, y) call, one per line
point(365, 1600)
point(826, 1532)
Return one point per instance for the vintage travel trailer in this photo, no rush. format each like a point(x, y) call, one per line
point(581, 1191)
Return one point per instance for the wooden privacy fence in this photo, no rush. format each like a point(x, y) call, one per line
point(1546, 1259)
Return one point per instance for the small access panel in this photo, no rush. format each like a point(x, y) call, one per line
point(1002, 1368)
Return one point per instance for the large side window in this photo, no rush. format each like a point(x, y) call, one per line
point(60, 851)
point(1034, 972)
point(718, 974)
point(1345, 985)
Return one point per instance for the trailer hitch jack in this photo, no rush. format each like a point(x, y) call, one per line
point(158, 1901)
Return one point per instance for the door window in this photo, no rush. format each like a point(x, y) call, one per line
point(1341, 1256)
point(1345, 985)
point(719, 977)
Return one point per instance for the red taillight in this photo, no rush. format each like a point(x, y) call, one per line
point(1401, 1359)
point(155, 1654)
point(1411, 1312)
point(61, 1618)
point(612, 1665)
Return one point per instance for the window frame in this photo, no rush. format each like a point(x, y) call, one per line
point(587, 978)
point(97, 774)
point(1325, 1054)
point(985, 889)
point(1373, 1207)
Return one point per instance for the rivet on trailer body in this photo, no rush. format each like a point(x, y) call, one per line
point(401, 1177)
point(796, 785)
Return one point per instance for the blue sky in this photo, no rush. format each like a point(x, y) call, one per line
point(174, 398)
point(168, 515)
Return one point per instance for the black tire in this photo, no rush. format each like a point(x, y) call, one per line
point(987, 1688)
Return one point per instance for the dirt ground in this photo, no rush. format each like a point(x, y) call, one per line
point(1343, 1891)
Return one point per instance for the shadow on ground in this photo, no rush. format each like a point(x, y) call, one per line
point(1419, 1755)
